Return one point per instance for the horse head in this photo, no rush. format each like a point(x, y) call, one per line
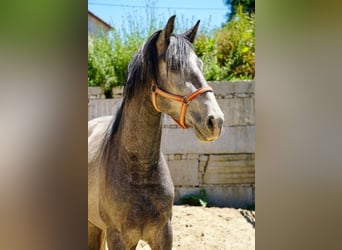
point(180, 89)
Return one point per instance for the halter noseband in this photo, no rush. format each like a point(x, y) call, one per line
point(185, 100)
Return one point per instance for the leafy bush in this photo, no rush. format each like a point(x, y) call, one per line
point(229, 53)
point(100, 68)
point(236, 46)
point(206, 49)
point(108, 59)
point(199, 199)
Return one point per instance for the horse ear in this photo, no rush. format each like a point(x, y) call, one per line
point(164, 36)
point(191, 33)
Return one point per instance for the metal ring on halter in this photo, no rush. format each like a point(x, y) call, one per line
point(186, 101)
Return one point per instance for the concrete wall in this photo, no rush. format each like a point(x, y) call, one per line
point(224, 168)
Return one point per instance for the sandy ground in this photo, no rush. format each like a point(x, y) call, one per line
point(202, 228)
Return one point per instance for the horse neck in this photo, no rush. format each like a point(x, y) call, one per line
point(141, 129)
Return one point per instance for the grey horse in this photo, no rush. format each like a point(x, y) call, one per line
point(130, 190)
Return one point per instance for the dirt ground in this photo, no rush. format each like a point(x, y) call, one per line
point(211, 228)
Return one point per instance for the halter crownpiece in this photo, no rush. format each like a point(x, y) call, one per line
point(184, 100)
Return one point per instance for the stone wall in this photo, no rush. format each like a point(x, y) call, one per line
point(224, 168)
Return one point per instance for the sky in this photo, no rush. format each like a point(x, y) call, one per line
point(210, 12)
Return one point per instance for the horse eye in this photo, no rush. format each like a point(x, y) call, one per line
point(175, 66)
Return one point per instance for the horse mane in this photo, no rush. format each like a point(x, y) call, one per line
point(142, 70)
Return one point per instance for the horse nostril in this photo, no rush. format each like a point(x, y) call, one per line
point(211, 122)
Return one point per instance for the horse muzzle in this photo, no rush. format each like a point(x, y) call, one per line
point(211, 129)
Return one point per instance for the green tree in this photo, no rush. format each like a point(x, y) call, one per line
point(248, 6)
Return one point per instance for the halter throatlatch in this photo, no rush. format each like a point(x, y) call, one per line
point(184, 100)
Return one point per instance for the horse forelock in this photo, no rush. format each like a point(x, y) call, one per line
point(177, 54)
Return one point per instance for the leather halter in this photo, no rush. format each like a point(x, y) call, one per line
point(184, 100)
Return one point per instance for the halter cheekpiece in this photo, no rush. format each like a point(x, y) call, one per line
point(184, 100)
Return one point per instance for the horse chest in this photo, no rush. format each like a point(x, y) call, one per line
point(139, 206)
point(138, 195)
